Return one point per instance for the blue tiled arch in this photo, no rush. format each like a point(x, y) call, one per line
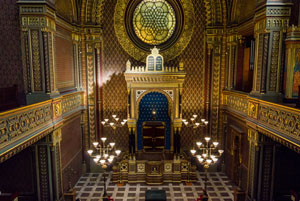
point(145, 114)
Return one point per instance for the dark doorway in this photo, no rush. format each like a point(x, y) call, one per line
point(154, 136)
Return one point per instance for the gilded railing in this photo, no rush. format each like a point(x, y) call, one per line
point(17, 123)
point(236, 102)
point(280, 118)
point(275, 118)
point(22, 124)
point(71, 103)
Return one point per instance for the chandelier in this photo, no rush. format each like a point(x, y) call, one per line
point(207, 155)
point(193, 122)
point(103, 156)
point(115, 123)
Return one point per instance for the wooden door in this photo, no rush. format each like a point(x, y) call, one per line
point(154, 136)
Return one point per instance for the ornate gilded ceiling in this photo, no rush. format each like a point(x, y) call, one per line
point(67, 9)
point(91, 11)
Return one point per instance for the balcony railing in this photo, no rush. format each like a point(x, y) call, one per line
point(278, 119)
point(19, 126)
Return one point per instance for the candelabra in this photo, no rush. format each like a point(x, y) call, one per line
point(104, 156)
point(114, 124)
point(207, 155)
point(193, 123)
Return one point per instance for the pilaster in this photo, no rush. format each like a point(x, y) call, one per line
point(93, 45)
point(261, 166)
point(38, 29)
point(48, 167)
point(271, 22)
point(253, 138)
point(231, 54)
point(266, 169)
point(214, 42)
point(76, 40)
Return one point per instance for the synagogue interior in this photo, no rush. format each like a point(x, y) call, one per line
point(149, 100)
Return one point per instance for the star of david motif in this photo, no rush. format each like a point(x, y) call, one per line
point(154, 22)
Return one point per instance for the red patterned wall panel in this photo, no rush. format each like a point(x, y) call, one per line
point(194, 66)
point(71, 152)
point(64, 60)
point(10, 47)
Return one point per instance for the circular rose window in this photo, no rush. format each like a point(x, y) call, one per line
point(154, 21)
point(141, 24)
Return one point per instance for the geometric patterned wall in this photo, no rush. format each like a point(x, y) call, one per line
point(114, 60)
point(193, 57)
point(114, 84)
point(65, 76)
point(10, 51)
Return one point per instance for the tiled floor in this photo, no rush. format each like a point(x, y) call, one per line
point(90, 188)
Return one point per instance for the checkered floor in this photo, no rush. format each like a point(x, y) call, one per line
point(219, 188)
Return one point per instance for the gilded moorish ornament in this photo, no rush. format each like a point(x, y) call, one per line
point(177, 33)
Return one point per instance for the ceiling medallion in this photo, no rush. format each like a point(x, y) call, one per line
point(141, 24)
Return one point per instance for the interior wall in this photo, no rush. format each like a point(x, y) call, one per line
point(71, 152)
point(287, 175)
point(114, 84)
point(65, 72)
point(17, 174)
point(10, 56)
point(236, 129)
point(295, 13)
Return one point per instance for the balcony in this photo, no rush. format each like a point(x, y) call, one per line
point(280, 122)
point(21, 127)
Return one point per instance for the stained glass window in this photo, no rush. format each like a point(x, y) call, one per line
point(154, 21)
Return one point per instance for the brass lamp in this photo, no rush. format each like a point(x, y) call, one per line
point(103, 156)
point(193, 122)
point(115, 123)
point(207, 155)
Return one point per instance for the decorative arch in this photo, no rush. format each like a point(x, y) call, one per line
point(67, 9)
point(92, 12)
point(145, 114)
point(170, 101)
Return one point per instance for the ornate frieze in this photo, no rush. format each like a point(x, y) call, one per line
point(283, 120)
point(32, 9)
point(17, 124)
point(252, 110)
point(24, 126)
point(278, 11)
point(237, 102)
point(71, 102)
point(277, 120)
